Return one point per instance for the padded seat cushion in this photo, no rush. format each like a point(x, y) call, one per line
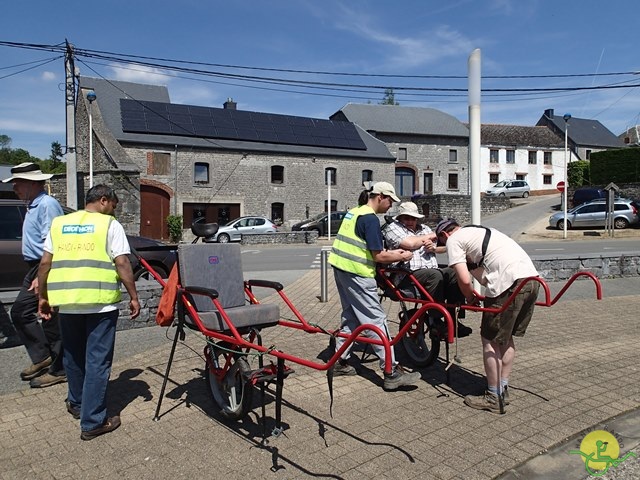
point(256, 316)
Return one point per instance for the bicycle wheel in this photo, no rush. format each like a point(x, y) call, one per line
point(421, 348)
point(232, 391)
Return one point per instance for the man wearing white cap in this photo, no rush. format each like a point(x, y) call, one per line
point(42, 340)
point(405, 232)
point(356, 250)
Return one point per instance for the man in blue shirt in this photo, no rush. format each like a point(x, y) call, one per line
point(41, 339)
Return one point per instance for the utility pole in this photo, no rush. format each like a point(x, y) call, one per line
point(70, 102)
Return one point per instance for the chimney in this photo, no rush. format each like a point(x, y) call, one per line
point(230, 104)
point(548, 112)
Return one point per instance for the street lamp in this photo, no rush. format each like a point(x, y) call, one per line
point(91, 96)
point(566, 117)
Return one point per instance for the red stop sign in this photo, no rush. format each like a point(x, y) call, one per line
point(560, 187)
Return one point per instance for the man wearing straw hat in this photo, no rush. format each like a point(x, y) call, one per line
point(41, 339)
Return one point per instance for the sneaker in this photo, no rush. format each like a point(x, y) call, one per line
point(505, 395)
point(109, 426)
point(46, 380)
point(463, 330)
point(341, 369)
point(74, 411)
point(400, 378)
point(489, 401)
point(35, 369)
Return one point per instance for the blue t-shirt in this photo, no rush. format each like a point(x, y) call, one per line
point(40, 212)
point(368, 229)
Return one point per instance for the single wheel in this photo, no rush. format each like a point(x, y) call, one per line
point(223, 238)
point(501, 194)
point(525, 194)
point(421, 346)
point(232, 391)
point(620, 223)
point(142, 273)
point(560, 225)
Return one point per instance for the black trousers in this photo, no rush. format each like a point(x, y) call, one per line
point(41, 339)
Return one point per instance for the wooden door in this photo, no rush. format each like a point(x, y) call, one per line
point(154, 209)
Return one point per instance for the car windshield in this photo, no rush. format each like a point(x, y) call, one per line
point(317, 217)
point(500, 184)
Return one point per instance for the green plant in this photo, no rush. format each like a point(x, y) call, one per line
point(174, 223)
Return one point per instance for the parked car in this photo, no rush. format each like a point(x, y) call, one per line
point(509, 188)
point(586, 194)
point(159, 255)
point(233, 230)
point(593, 214)
point(319, 223)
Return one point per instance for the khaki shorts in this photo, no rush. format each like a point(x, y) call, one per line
point(499, 327)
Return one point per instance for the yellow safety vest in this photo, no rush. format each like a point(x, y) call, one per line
point(82, 271)
point(349, 252)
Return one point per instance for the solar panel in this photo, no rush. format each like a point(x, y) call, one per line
point(156, 118)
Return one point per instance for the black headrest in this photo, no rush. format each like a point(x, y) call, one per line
point(204, 229)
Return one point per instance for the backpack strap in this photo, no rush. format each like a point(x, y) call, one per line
point(485, 243)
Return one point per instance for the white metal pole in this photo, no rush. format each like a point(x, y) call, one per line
point(475, 77)
point(566, 177)
point(329, 203)
point(90, 145)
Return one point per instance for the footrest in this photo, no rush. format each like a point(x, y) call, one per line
point(266, 374)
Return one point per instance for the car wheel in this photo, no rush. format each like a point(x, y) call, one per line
point(620, 223)
point(317, 230)
point(560, 225)
point(525, 194)
point(223, 238)
point(142, 273)
point(501, 194)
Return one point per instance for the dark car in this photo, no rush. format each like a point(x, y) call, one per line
point(586, 194)
point(319, 223)
point(159, 255)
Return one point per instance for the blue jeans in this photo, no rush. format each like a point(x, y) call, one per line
point(88, 341)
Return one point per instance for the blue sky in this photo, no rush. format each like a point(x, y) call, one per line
point(421, 37)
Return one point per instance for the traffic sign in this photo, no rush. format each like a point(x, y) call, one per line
point(560, 187)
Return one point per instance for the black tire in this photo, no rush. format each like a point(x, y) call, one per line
point(233, 395)
point(223, 238)
point(501, 194)
point(620, 223)
point(142, 273)
point(525, 194)
point(416, 342)
point(560, 225)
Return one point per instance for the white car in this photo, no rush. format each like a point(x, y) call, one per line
point(233, 231)
point(509, 188)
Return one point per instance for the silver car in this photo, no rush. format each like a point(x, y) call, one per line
point(593, 214)
point(509, 188)
point(233, 231)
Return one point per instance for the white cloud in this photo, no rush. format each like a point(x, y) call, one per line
point(38, 127)
point(49, 76)
point(141, 74)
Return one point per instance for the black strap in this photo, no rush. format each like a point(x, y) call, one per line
point(485, 243)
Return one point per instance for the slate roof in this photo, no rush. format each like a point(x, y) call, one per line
point(519, 136)
point(109, 93)
point(402, 120)
point(582, 132)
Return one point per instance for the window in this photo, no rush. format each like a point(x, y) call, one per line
point(330, 173)
point(494, 178)
point(453, 156)
point(587, 154)
point(277, 174)
point(511, 156)
point(367, 176)
point(334, 205)
point(493, 156)
point(405, 181)
point(402, 154)
point(428, 183)
point(547, 158)
point(159, 163)
point(201, 173)
point(520, 176)
point(453, 181)
point(277, 213)
point(547, 179)
point(533, 157)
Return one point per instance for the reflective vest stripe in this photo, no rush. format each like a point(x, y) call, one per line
point(81, 285)
point(353, 258)
point(85, 263)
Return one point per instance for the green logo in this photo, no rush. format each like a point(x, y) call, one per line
point(600, 451)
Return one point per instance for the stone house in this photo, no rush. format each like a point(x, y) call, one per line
point(218, 163)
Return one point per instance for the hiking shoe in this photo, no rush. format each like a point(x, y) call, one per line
point(505, 395)
point(400, 378)
point(109, 426)
point(341, 369)
point(74, 411)
point(463, 330)
point(489, 401)
point(35, 369)
point(46, 380)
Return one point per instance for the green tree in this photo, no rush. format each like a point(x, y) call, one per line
point(54, 163)
point(389, 97)
point(5, 141)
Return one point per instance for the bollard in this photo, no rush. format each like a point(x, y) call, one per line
point(323, 276)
